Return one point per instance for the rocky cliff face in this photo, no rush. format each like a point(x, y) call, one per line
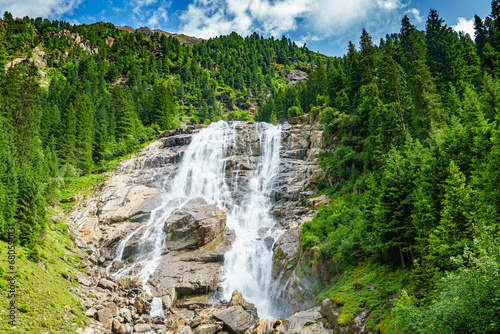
point(197, 236)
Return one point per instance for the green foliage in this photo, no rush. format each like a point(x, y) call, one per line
point(24, 308)
point(33, 255)
point(466, 300)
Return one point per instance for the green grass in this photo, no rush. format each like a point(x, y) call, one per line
point(368, 285)
point(42, 295)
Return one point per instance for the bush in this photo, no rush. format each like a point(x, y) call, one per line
point(24, 308)
point(33, 255)
point(465, 301)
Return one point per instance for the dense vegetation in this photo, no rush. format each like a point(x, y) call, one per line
point(82, 95)
point(412, 145)
point(412, 148)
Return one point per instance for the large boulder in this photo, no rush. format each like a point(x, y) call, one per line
point(107, 284)
point(305, 322)
point(105, 316)
point(194, 225)
point(142, 305)
point(236, 320)
point(130, 282)
point(330, 311)
point(238, 300)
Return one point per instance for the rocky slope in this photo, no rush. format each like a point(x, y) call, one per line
point(188, 275)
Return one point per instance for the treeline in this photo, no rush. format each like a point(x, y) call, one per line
point(412, 149)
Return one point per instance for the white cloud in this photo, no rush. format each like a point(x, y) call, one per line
point(416, 15)
point(151, 13)
point(39, 8)
point(467, 26)
point(210, 18)
point(307, 18)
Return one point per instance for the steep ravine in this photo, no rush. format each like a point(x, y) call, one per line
point(143, 196)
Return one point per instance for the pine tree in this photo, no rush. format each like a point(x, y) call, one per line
point(66, 141)
point(30, 213)
point(164, 112)
point(426, 104)
point(84, 134)
point(455, 229)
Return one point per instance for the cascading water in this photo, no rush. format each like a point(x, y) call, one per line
point(201, 173)
point(248, 265)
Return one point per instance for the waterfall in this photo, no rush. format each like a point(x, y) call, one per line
point(202, 173)
point(248, 265)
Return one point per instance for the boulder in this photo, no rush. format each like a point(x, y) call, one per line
point(236, 320)
point(194, 225)
point(116, 324)
point(208, 329)
point(107, 284)
point(181, 322)
point(126, 314)
point(329, 311)
point(130, 282)
point(125, 329)
point(142, 328)
point(304, 322)
point(91, 312)
point(105, 317)
point(114, 309)
point(265, 326)
point(142, 305)
point(238, 300)
point(184, 330)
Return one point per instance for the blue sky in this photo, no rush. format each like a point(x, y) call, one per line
point(324, 25)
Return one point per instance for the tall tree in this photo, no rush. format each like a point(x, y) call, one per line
point(426, 104)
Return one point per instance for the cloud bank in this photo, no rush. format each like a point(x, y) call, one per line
point(314, 19)
point(39, 8)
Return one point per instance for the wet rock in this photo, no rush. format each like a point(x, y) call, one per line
point(194, 225)
point(287, 284)
point(235, 319)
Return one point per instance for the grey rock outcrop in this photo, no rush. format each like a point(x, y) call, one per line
point(196, 224)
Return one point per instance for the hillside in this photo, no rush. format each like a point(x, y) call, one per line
point(409, 151)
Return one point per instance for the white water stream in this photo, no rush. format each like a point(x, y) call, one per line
point(202, 173)
point(248, 264)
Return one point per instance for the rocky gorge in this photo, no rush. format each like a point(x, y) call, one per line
point(163, 230)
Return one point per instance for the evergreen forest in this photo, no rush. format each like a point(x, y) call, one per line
point(411, 143)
